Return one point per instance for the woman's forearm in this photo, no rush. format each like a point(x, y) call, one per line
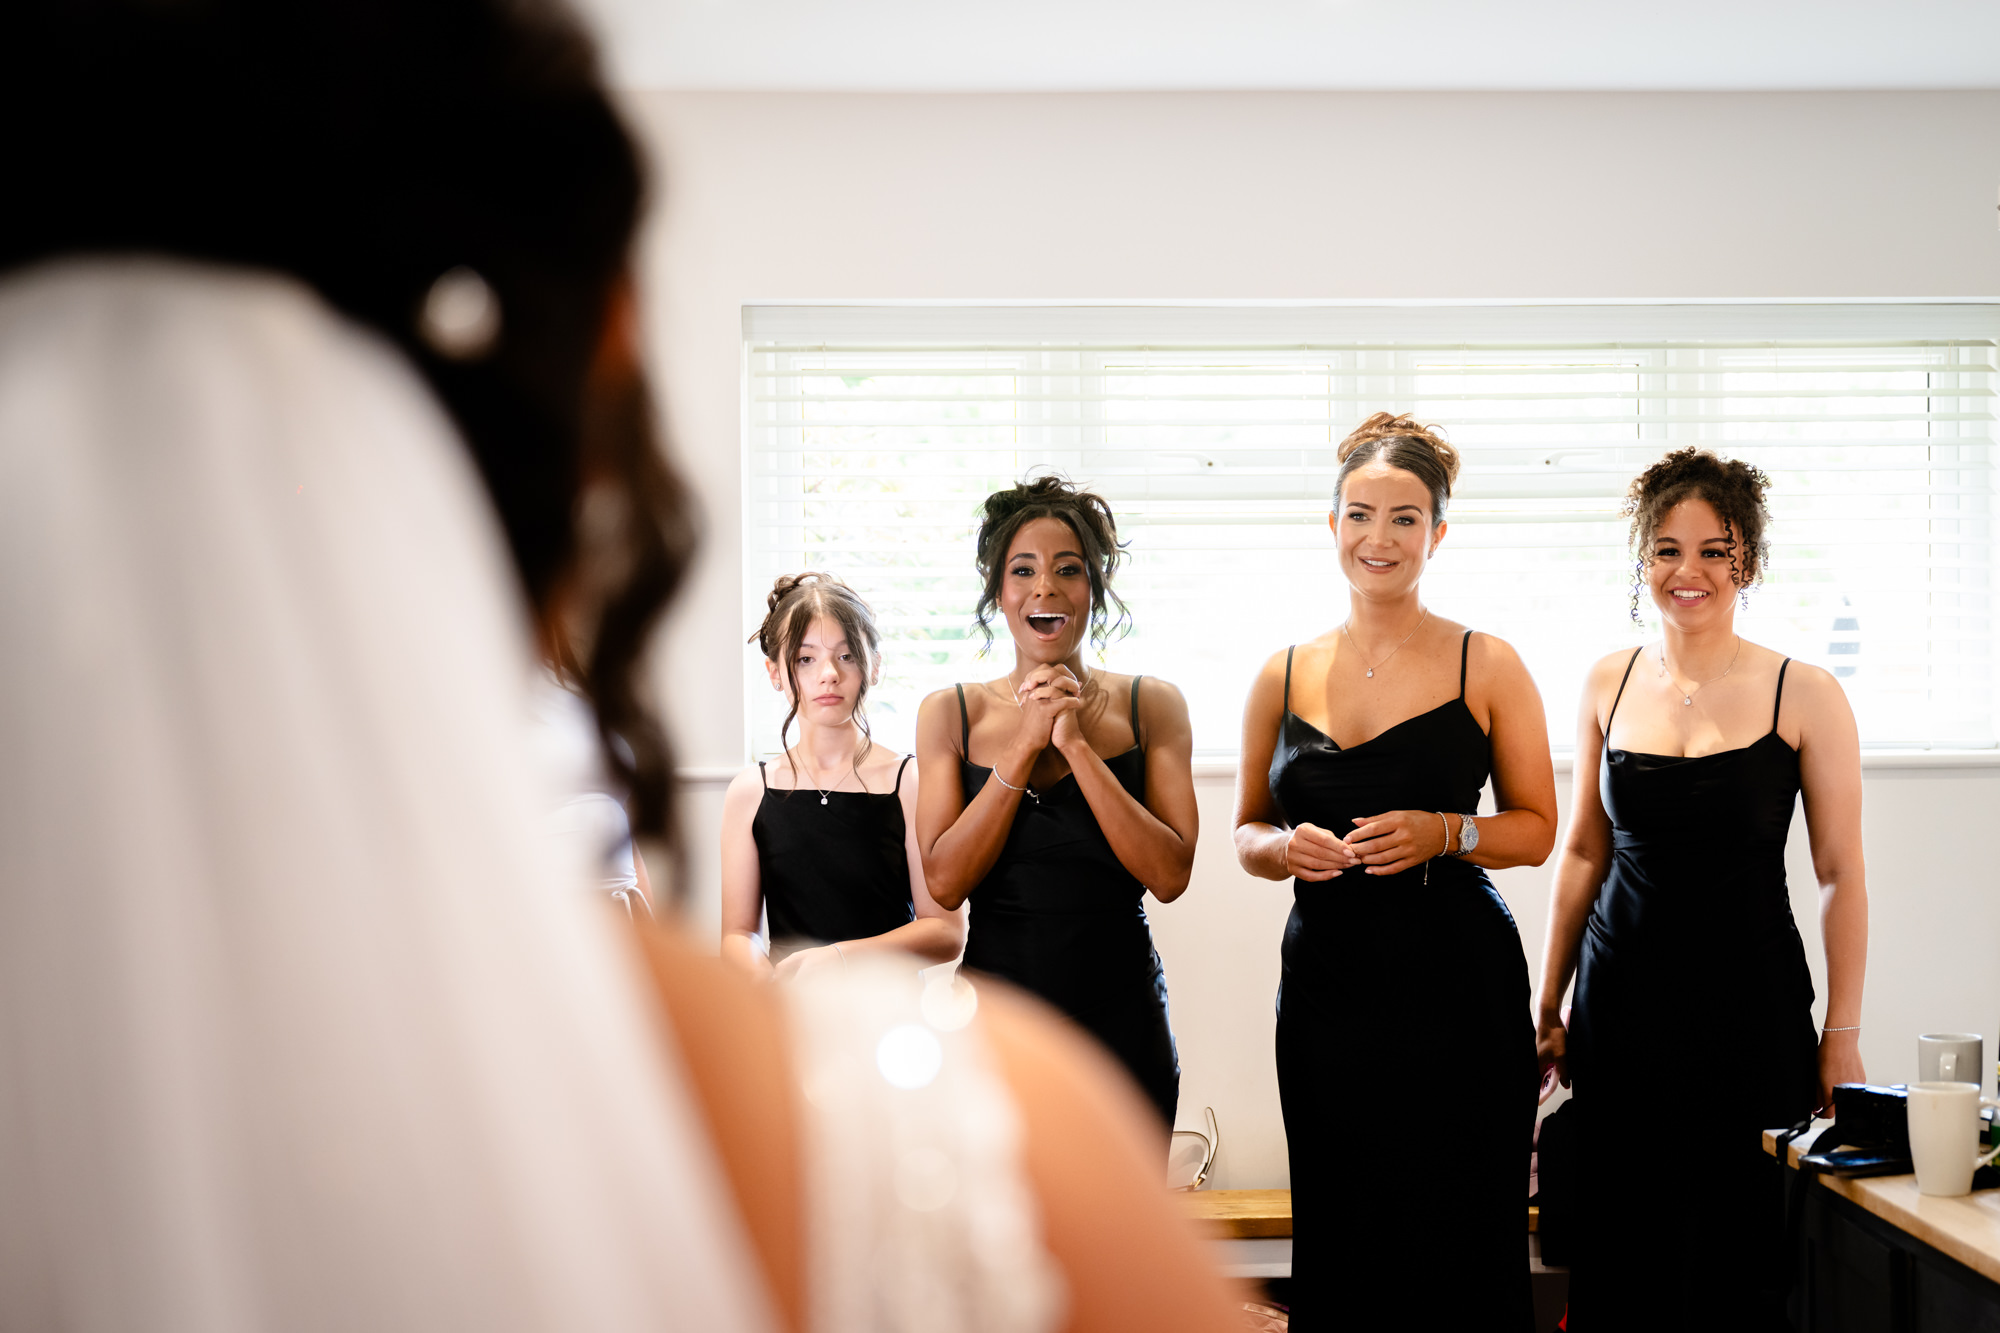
point(1260, 849)
point(1144, 844)
point(935, 938)
point(959, 859)
point(1510, 838)
point(1570, 898)
point(1843, 915)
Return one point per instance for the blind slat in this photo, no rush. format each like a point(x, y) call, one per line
point(869, 457)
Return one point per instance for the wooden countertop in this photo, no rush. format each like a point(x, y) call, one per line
point(1255, 1214)
point(1966, 1228)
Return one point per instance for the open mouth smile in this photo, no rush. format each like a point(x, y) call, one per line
point(1688, 596)
point(1047, 625)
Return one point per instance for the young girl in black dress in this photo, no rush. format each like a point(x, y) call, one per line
point(824, 843)
point(1670, 909)
point(1056, 796)
point(1364, 752)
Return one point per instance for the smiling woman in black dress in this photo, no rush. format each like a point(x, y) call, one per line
point(1364, 752)
point(1671, 909)
point(1054, 797)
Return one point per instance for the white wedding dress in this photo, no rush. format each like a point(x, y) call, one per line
point(293, 1033)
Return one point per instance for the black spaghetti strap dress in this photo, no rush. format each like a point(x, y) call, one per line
point(1060, 915)
point(1406, 1056)
point(832, 867)
point(1691, 1030)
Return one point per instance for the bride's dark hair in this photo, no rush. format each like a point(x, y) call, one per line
point(369, 147)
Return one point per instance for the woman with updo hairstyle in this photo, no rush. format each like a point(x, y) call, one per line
point(1056, 795)
point(1670, 908)
point(839, 876)
point(1364, 753)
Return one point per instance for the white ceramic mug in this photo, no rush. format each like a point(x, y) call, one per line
point(1944, 1136)
point(1951, 1057)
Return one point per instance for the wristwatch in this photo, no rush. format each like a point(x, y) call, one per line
point(1468, 836)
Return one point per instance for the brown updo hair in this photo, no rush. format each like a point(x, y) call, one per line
point(1401, 442)
point(796, 601)
point(1733, 488)
point(1086, 514)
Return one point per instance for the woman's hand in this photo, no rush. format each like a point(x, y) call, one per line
point(1839, 1062)
point(1049, 697)
point(1398, 841)
point(806, 962)
point(1552, 1047)
point(1312, 854)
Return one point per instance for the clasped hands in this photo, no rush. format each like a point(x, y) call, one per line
point(1385, 844)
point(1051, 700)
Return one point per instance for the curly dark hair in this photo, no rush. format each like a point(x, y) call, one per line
point(1086, 514)
point(369, 147)
point(795, 601)
point(1734, 488)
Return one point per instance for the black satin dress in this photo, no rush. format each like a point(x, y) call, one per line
point(833, 867)
point(1406, 1057)
point(1691, 1030)
point(1060, 915)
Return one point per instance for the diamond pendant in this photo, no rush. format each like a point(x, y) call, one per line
point(822, 798)
point(1688, 700)
point(1371, 673)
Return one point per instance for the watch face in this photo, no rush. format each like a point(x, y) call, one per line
point(1468, 834)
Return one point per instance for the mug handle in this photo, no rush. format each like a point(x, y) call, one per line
point(1986, 1158)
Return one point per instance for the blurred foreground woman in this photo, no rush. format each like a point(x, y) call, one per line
point(313, 341)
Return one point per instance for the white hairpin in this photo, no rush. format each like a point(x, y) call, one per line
point(460, 319)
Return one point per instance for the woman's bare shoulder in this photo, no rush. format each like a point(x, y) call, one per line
point(745, 788)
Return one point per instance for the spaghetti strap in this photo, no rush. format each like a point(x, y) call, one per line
point(1629, 664)
point(1288, 677)
point(964, 727)
point(1464, 648)
point(1779, 702)
point(1135, 709)
point(765, 777)
point(899, 772)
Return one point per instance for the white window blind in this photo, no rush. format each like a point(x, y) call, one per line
point(874, 433)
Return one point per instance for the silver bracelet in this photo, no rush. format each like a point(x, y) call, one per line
point(1855, 1028)
point(1010, 786)
point(1447, 833)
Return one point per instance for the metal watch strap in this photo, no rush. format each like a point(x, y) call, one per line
point(1468, 836)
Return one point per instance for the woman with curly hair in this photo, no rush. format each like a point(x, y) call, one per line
point(1090, 801)
point(1670, 908)
point(838, 877)
point(1364, 752)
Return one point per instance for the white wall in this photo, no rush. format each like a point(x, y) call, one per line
point(1258, 196)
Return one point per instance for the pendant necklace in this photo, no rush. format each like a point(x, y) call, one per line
point(1393, 651)
point(1687, 697)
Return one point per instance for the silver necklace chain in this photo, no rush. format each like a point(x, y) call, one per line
point(1687, 696)
point(1393, 651)
point(824, 792)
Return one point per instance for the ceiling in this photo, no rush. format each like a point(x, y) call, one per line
point(1090, 45)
